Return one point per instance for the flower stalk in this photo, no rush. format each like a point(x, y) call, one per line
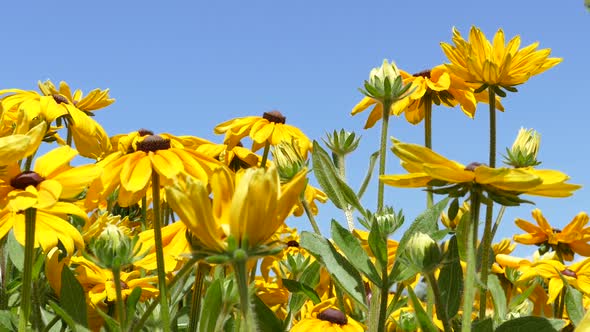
point(438, 302)
point(382, 152)
point(247, 322)
point(120, 303)
point(469, 284)
point(27, 285)
point(265, 154)
point(310, 216)
point(201, 270)
point(428, 141)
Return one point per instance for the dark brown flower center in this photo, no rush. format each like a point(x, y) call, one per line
point(424, 73)
point(123, 285)
point(569, 273)
point(471, 167)
point(293, 243)
point(333, 316)
point(60, 99)
point(144, 132)
point(274, 116)
point(153, 143)
point(25, 179)
point(240, 144)
point(556, 230)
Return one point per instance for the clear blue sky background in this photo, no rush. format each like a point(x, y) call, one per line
point(183, 67)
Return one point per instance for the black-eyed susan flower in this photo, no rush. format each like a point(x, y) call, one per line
point(19, 146)
point(573, 238)
point(269, 128)
point(495, 64)
point(236, 158)
point(175, 245)
point(249, 208)
point(326, 317)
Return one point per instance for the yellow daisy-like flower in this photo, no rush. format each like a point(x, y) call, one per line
point(19, 146)
point(573, 237)
point(174, 244)
point(131, 172)
point(252, 206)
point(577, 275)
point(270, 127)
point(482, 63)
point(51, 180)
point(236, 158)
point(426, 167)
point(326, 317)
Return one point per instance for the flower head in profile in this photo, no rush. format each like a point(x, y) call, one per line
point(19, 146)
point(524, 150)
point(496, 64)
point(573, 238)
point(249, 208)
point(269, 128)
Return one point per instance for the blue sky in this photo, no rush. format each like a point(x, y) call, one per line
point(183, 67)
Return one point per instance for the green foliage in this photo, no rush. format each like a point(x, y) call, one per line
point(450, 280)
point(72, 297)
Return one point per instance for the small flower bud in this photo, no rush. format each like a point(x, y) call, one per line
point(288, 159)
point(524, 149)
point(113, 248)
point(423, 252)
point(385, 84)
point(343, 142)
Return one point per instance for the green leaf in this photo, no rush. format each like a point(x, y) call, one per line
point(378, 244)
point(69, 320)
point(265, 318)
point(498, 297)
point(310, 277)
point(353, 250)
point(531, 323)
point(461, 232)
point(295, 286)
point(132, 301)
point(423, 319)
point(453, 209)
point(72, 297)
point(212, 306)
point(16, 252)
point(335, 188)
point(450, 280)
point(518, 299)
point(365, 183)
point(574, 305)
point(8, 321)
point(112, 324)
point(426, 223)
point(486, 325)
point(339, 267)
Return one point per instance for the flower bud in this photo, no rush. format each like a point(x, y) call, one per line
point(343, 142)
point(385, 84)
point(113, 248)
point(524, 149)
point(288, 159)
point(423, 252)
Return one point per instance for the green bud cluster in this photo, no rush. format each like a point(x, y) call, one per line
point(385, 84)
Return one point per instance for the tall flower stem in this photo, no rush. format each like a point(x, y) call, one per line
point(383, 297)
point(470, 275)
point(340, 164)
point(438, 300)
point(310, 216)
point(247, 323)
point(428, 141)
point(27, 285)
point(201, 270)
point(265, 154)
point(382, 152)
point(120, 303)
point(164, 309)
point(487, 239)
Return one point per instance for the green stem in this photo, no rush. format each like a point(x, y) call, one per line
point(428, 140)
point(310, 216)
point(442, 310)
point(469, 285)
point(51, 323)
point(201, 270)
point(69, 134)
point(29, 162)
point(340, 164)
point(120, 304)
point(383, 297)
point(3, 275)
point(164, 309)
point(382, 153)
point(265, 154)
point(498, 220)
point(247, 320)
point(492, 101)
point(186, 268)
point(30, 216)
point(143, 213)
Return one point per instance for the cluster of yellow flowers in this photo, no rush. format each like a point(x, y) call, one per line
point(152, 207)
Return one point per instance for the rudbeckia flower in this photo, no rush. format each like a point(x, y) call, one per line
point(573, 237)
point(19, 146)
point(270, 127)
point(427, 168)
point(236, 158)
point(482, 63)
point(252, 206)
point(174, 244)
point(131, 172)
point(326, 317)
point(51, 180)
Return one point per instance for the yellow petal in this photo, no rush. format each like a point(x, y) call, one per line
point(166, 163)
point(136, 172)
point(54, 161)
point(413, 180)
point(449, 174)
point(76, 179)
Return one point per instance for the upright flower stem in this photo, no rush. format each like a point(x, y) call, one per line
point(486, 242)
point(247, 321)
point(201, 270)
point(340, 164)
point(310, 216)
point(27, 285)
point(265, 154)
point(120, 303)
point(470, 275)
point(382, 152)
point(438, 300)
point(164, 309)
point(428, 141)
point(383, 297)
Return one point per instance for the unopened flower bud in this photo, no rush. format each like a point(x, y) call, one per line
point(385, 83)
point(524, 149)
point(342, 142)
point(113, 248)
point(288, 159)
point(423, 252)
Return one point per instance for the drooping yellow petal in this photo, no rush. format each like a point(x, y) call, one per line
point(166, 163)
point(136, 172)
point(54, 161)
point(17, 147)
point(412, 180)
point(76, 179)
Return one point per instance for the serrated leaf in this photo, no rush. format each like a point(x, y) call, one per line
point(16, 252)
point(423, 319)
point(310, 277)
point(378, 244)
point(574, 305)
point(498, 297)
point(72, 297)
point(531, 323)
point(295, 286)
point(339, 267)
point(266, 318)
point(450, 280)
point(212, 306)
point(69, 320)
point(355, 253)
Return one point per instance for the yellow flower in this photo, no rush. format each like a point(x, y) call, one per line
point(326, 317)
point(577, 275)
point(174, 244)
point(270, 127)
point(236, 158)
point(132, 172)
point(253, 208)
point(274, 295)
point(452, 224)
point(573, 237)
point(19, 146)
point(426, 167)
point(482, 63)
